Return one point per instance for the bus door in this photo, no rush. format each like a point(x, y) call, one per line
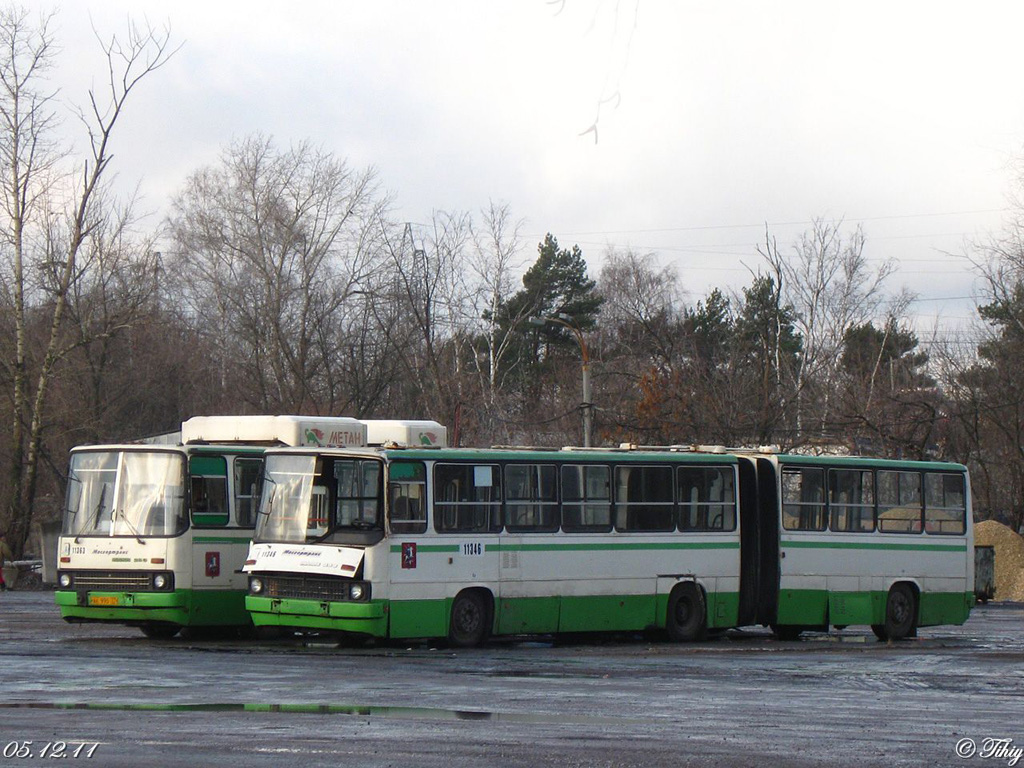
point(769, 570)
point(750, 555)
point(211, 515)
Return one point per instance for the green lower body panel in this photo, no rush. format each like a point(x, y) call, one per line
point(185, 607)
point(819, 608)
point(535, 615)
point(944, 608)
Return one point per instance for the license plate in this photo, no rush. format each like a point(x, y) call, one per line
point(102, 600)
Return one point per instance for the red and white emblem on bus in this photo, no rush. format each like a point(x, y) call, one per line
point(213, 564)
point(409, 554)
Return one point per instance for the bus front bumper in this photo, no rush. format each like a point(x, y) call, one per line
point(124, 607)
point(358, 618)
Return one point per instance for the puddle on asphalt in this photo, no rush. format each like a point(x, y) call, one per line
point(405, 713)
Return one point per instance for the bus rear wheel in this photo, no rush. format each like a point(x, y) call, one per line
point(900, 614)
point(469, 625)
point(686, 620)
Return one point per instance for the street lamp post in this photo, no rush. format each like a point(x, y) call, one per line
point(587, 406)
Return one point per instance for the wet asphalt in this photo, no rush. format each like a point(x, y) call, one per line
point(107, 696)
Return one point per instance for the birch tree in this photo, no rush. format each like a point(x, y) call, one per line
point(50, 210)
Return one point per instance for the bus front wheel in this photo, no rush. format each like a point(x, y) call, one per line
point(469, 621)
point(687, 614)
point(900, 614)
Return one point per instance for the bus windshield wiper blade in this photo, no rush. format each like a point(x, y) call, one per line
point(94, 518)
point(131, 528)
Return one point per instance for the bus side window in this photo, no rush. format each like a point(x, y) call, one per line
point(531, 498)
point(644, 498)
point(209, 487)
point(407, 492)
point(945, 503)
point(248, 476)
point(467, 498)
point(803, 499)
point(706, 499)
point(899, 502)
point(586, 498)
point(851, 500)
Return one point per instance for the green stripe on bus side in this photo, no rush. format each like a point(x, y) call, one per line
point(798, 544)
point(612, 547)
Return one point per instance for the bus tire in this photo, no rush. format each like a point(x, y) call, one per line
point(158, 631)
point(787, 632)
point(900, 614)
point(470, 620)
point(687, 617)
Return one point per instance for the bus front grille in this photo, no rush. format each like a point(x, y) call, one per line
point(120, 581)
point(306, 587)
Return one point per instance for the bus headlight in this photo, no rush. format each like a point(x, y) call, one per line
point(357, 591)
point(255, 585)
point(64, 579)
point(163, 582)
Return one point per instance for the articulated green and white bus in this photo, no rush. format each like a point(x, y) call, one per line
point(155, 535)
point(863, 541)
point(406, 542)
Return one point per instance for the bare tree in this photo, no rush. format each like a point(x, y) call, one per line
point(830, 284)
point(419, 303)
point(49, 215)
point(270, 249)
point(493, 267)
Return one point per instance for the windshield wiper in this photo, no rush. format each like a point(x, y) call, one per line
point(91, 522)
point(131, 528)
point(270, 498)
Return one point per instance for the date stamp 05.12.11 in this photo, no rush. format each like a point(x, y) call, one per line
point(14, 750)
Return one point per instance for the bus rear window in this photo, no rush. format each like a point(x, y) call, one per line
point(945, 503)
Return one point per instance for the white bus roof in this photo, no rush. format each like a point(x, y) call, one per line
point(421, 434)
point(322, 431)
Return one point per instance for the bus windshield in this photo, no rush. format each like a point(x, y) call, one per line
point(311, 498)
point(125, 493)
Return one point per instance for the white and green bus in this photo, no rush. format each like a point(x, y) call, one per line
point(862, 541)
point(154, 535)
point(463, 544)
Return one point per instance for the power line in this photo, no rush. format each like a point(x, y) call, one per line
point(761, 225)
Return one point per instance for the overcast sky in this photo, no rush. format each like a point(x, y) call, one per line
point(713, 118)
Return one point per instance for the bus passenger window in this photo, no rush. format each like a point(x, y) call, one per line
point(945, 503)
point(467, 498)
point(531, 498)
point(899, 502)
point(707, 500)
point(644, 499)
point(803, 499)
point(586, 498)
point(407, 497)
point(851, 500)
